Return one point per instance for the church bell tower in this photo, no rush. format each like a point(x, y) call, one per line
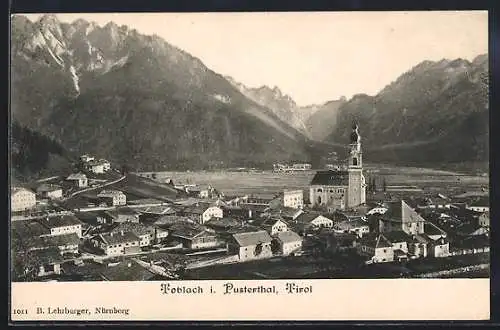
point(357, 187)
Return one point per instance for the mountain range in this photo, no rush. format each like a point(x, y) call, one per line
point(140, 101)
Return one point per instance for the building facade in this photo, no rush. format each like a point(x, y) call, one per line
point(22, 199)
point(341, 189)
point(293, 199)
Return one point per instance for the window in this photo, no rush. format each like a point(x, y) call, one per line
point(355, 161)
point(320, 190)
point(385, 250)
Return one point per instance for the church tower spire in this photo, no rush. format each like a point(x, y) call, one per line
point(356, 194)
point(355, 154)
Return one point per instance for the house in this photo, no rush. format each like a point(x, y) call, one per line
point(127, 270)
point(62, 225)
point(439, 248)
point(399, 241)
point(21, 199)
point(438, 201)
point(271, 225)
point(79, 180)
point(377, 247)
point(93, 218)
point(168, 220)
point(293, 199)
point(148, 235)
point(194, 236)
point(106, 165)
point(358, 227)
point(433, 231)
point(50, 191)
point(95, 167)
point(122, 214)
point(48, 262)
point(480, 205)
point(203, 212)
point(115, 244)
point(67, 243)
point(400, 216)
point(113, 197)
point(289, 242)
point(312, 221)
point(484, 219)
point(418, 246)
point(251, 245)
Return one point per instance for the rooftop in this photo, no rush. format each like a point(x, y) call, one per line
point(187, 230)
point(481, 202)
point(397, 236)
point(252, 238)
point(127, 270)
point(15, 190)
point(331, 178)
point(376, 241)
point(109, 193)
point(136, 228)
point(116, 238)
point(288, 237)
point(122, 211)
point(60, 221)
point(76, 176)
point(308, 217)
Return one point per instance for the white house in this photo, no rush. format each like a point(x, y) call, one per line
point(80, 180)
point(307, 221)
point(203, 213)
point(95, 167)
point(289, 242)
point(293, 199)
point(113, 197)
point(251, 245)
point(21, 199)
point(272, 225)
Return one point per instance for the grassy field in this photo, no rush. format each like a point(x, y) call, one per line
point(267, 182)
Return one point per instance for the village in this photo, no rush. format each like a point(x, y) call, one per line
point(101, 223)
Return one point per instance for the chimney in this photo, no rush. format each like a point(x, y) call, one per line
point(121, 232)
point(129, 264)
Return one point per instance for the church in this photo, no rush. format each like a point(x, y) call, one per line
point(341, 189)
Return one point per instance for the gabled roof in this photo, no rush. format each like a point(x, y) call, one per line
point(350, 224)
point(252, 238)
point(223, 222)
point(267, 222)
point(109, 193)
point(55, 241)
point(136, 228)
point(76, 176)
point(308, 217)
point(169, 220)
point(117, 238)
point(60, 221)
point(187, 230)
point(122, 211)
point(397, 236)
point(288, 237)
point(48, 188)
point(376, 241)
point(15, 190)
point(331, 178)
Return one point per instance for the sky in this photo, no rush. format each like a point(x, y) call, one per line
point(313, 56)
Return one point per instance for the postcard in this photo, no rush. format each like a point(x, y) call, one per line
point(250, 166)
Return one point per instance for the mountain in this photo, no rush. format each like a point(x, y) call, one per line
point(282, 105)
point(437, 112)
point(138, 100)
point(322, 119)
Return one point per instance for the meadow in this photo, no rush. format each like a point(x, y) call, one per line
point(269, 183)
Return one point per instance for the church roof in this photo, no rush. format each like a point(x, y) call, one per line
point(331, 178)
